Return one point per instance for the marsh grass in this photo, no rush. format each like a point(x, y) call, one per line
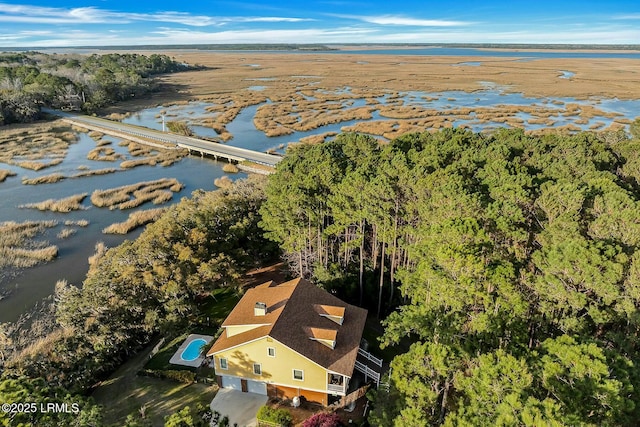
point(99, 250)
point(4, 174)
point(230, 168)
point(68, 204)
point(36, 166)
point(104, 154)
point(162, 157)
point(223, 182)
point(66, 232)
point(135, 220)
point(103, 143)
point(78, 223)
point(19, 249)
point(36, 146)
point(94, 172)
point(131, 196)
point(46, 179)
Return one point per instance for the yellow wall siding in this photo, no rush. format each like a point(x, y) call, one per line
point(277, 369)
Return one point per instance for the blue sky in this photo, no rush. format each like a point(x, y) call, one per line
point(105, 22)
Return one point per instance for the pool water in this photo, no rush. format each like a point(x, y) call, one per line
point(192, 352)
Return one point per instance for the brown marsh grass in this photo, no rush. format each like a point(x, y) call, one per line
point(66, 232)
point(94, 172)
point(103, 143)
point(162, 157)
point(18, 247)
point(104, 154)
point(46, 179)
point(78, 223)
point(130, 196)
point(135, 220)
point(4, 174)
point(35, 146)
point(100, 250)
point(230, 168)
point(68, 204)
point(36, 166)
point(223, 182)
point(94, 134)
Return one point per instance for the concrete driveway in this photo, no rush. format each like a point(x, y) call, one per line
point(241, 408)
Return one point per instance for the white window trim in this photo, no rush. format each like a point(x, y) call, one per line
point(259, 367)
point(274, 351)
point(294, 375)
point(225, 361)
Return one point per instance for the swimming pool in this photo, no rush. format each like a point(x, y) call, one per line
point(192, 351)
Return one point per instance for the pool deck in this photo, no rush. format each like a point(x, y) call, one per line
point(176, 359)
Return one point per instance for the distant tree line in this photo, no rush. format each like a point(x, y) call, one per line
point(514, 261)
point(31, 80)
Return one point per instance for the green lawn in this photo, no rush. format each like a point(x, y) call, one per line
point(161, 360)
point(218, 305)
point(125, 393)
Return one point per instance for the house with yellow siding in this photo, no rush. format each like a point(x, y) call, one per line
point(289, 339)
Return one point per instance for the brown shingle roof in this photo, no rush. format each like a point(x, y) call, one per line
point(291, 314)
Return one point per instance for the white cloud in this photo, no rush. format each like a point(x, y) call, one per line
point(403, 21)
point(630, 16)
point(400, 20)
point(93, 15)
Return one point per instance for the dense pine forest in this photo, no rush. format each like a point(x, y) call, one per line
point(512, 262)
point(31, 80)
point(507, 264)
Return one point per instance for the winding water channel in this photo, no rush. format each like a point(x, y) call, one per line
point(32, 285)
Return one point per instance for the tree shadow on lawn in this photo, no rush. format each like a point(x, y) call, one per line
point(125, 393)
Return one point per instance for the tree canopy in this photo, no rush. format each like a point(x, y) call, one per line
point(510, 260)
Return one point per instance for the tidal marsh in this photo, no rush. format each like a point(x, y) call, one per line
point(18, 247)
point(68, 204)
point(131, 196)
point(135, 220)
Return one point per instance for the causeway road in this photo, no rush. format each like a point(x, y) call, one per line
point(123, 130)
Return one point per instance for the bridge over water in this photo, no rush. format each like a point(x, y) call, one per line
point(147, 136)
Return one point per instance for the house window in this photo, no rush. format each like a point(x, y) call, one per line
point(298, 375)
point(223, 363)
point(271, 351)
point(257, 369)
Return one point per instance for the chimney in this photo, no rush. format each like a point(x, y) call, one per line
point(260, 309)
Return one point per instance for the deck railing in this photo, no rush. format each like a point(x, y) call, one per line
point(370, 357)
point(334, 388)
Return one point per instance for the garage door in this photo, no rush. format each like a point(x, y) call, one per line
point(231, 382)
point(257, 387)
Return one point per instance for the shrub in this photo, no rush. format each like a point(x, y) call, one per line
point(323, 420)
point(186, 377)
point(280, 416)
